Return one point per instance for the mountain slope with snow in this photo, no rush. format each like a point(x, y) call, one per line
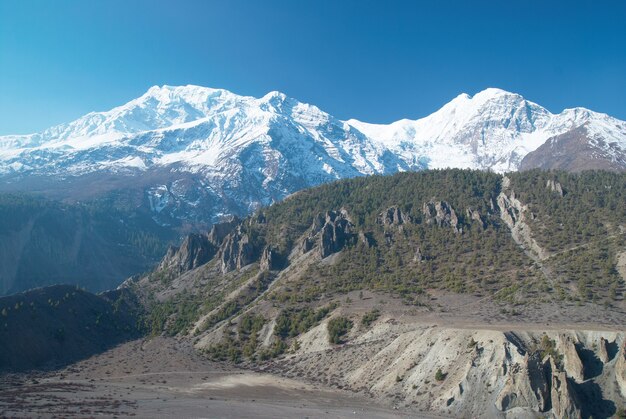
point(196, 154)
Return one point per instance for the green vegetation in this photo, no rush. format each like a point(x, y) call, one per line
point(69, 324)
point(290, 323)
point(581, 232)
point(230, 308)
point(178, 314)
point(581, 229)
point(370, 317)
point(295, 321)
point(547, 347)
point(440, 375)
point(477, 261)
point(114, 239)
point(242, 344)
point(338, 328)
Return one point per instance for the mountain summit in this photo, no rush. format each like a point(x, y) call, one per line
point(197, 154)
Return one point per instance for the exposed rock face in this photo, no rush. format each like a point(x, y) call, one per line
point(574, 151)
point(474, 215)
point(219, 231)
point(571, 360)
point(393, 216)
point(366, 240)
point(441, 213)
point(270, 259)
point(236, 251)
point(418, 257)
point(195, 250)
point(330, 233)
point(554, 186)
point(564, 401)
point(620, 369)
point(603, 354)
point(335, 234)
point(526, 386)
point(198, 249)
point(487, 373)
point(513, 213)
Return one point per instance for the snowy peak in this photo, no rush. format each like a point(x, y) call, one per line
point(160, 107)
point(218, 153)
point(493, 129)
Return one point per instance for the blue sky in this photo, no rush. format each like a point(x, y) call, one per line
point(377, 61)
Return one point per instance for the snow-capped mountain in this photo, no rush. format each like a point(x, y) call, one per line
point(198, 153)
point(494, 130)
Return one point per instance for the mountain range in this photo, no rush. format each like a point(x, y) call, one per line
point(191, 155)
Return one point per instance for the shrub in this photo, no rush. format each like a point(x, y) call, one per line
point(337, 328)
point(370, 317)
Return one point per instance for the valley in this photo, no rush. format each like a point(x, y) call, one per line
point(386, 369)
point(164, 377)
point(451, 293)
point(312, 209)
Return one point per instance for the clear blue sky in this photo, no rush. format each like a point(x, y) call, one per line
point(375, 61)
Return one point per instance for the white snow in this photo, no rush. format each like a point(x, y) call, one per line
point(222, 134)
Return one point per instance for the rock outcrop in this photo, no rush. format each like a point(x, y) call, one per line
point(219, 231)
point(526, 386)
point(329, 233)
point(198, 249)
point(554, 186)
point(486, 373)
point(513, 213)
point(418, 257)
point(392, 216)
point(571, 360)
point(270, 259)
point(195, 250)
point(475, 216)
point(236, 251)
point(620, 369)
point(564, 401)
point(366, 239)
point(442, 214)
point(335, 234)
point(603, 353)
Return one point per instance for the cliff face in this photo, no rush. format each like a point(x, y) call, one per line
point(486, 373)
point(196, 250)
point(237, 251)
point(442, 214)
point(620, 369)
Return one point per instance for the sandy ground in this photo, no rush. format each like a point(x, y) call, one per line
point(161, 377)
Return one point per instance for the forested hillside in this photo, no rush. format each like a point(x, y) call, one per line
point(525, 238)
point(60, 324)
point(95, 245)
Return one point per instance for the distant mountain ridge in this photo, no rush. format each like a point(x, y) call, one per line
point(194, 154)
